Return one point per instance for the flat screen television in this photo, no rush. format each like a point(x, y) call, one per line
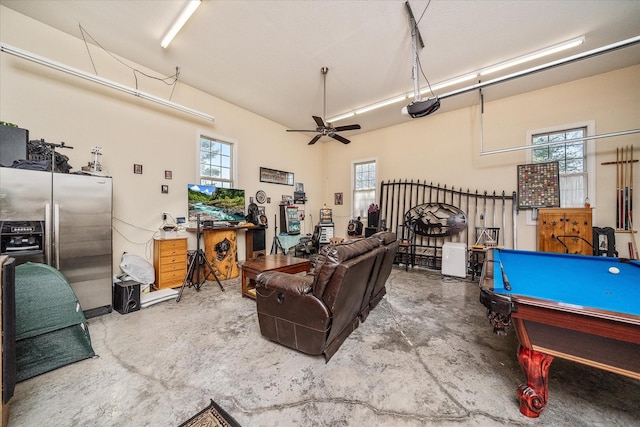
point(215, 203)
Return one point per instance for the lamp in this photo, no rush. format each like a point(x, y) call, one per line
point(179, 23)
point(100, 80)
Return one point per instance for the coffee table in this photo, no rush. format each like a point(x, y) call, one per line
point(287, 264)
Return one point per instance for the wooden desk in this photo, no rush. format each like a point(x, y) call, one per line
point(284, 263)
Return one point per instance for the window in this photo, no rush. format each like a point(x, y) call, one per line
point(216, 162)
point(572, 159)
point(364, 187)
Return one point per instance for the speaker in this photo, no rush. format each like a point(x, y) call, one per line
point(13, 144)
point(126, 296)
point(256, 243)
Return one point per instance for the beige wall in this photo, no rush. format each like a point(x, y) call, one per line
point(445, 148)
point(442, 148)
point(59, 107)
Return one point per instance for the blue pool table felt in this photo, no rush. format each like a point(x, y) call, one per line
point(575, 280)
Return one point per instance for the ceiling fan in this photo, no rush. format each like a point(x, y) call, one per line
point(326, 129)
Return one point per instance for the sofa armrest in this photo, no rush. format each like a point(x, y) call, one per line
point(285, 282)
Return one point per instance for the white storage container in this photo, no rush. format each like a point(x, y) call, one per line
point(454, 259)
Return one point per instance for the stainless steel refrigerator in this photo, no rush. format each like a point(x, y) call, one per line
point(63, 220)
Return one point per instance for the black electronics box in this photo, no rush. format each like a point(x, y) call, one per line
point(13, 144)
point(126, 296)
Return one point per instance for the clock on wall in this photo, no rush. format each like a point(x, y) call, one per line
point(261, 197)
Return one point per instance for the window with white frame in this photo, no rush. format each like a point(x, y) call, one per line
point(216, 162)
point(572, 157)
point(364, 187)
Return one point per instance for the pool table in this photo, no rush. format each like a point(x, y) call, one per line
point(567, 306)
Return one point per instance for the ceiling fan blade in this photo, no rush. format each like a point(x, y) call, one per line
point(315, 139)
point(347, 127)
point(340, 138)
point(319, 121)
point(301, 130)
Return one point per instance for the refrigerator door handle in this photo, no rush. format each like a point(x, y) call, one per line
point(47, 233)
point(56, 235)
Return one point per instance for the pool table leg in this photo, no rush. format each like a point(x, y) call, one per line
point(533, 396)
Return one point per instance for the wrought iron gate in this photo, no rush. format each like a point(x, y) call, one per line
point(483, 210)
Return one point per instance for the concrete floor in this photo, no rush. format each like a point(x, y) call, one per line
point(426, 356)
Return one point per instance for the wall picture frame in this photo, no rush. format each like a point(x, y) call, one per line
point(164, 189)
point(337, 198)
point(539, 185)
point(168, 175)
point(275, 176)
point(137, 169)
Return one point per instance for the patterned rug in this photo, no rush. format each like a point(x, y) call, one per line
point(211, 416)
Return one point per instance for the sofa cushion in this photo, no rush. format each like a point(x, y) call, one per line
point(331, 256)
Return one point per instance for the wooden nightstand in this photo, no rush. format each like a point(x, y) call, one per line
point(170, 262)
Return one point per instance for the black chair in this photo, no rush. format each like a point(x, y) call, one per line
point(604, 242)
point(407, 249)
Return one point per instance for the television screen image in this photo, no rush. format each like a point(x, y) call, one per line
point(215, 203)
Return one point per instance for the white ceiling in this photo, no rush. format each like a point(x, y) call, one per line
point(265, 56)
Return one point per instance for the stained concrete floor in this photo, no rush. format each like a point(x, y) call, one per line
point(426, 356)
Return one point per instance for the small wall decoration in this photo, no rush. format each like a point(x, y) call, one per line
point(168, 175)
point(337, 198)
point(539, 185)
point(275, 176)
point(165, 189)
point(261, 196)
point(137, 168)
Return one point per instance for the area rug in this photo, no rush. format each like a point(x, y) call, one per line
point(211, 416)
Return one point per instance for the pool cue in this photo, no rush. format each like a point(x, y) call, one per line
point(617, 188)
point(625, 187)
point(505, 280)
point(633, 236)
point(631, 185)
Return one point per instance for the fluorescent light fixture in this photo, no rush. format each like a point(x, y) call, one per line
point(381, 104)
point(469, 76)
point(344, 116)
point(534, 55)
point(179, 23)
point(100, 80)
point(449, 82)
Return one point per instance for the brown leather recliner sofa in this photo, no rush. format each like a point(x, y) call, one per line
point(315, 313)
point(377, 287)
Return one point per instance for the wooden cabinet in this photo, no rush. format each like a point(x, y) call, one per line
point(221, 250)
point(170, 262)
point(565, 230)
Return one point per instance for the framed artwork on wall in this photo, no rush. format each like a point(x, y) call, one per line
point(539, 185)
point(275, 176)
